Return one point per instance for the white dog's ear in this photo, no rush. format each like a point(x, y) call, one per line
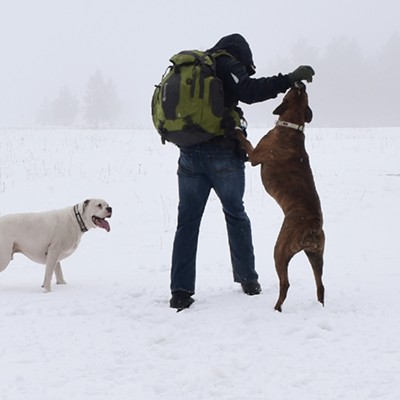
point(85, 203)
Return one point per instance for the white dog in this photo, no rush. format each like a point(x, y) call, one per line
point(49, 237)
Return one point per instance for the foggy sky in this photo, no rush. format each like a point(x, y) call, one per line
point(48, 44)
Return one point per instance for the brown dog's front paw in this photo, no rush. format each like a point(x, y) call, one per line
point(240, 135)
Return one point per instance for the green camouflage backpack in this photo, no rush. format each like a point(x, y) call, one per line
point(188, 104)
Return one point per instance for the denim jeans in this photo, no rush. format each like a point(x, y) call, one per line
point(202, 168)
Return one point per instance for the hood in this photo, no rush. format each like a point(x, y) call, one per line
point(237, 46)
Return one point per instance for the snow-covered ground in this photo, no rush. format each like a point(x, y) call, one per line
point(110, 335)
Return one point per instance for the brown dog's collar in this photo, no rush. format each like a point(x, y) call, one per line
point(290, 125)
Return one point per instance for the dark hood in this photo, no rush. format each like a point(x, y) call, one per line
point(237, 46)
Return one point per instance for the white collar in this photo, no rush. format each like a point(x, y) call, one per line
point(290, 125)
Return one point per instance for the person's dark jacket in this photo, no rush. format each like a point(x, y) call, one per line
point(235, 74)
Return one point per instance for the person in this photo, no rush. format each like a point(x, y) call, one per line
point(219, 165)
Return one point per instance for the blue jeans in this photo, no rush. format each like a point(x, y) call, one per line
point(202, 168)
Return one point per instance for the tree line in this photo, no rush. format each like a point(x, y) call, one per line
point(350, 89)
point(100, 105)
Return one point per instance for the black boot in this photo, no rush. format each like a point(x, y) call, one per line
point(181, 300)
point(251, 288)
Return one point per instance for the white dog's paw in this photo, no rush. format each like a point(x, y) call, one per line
point(61, 282)
point(46, 289)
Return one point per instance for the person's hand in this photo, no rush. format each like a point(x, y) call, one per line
point(304, 72)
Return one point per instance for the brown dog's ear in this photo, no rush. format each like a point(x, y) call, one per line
point(280, 109)
point(309, 115)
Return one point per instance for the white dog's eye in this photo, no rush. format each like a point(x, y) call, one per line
point(100, 205)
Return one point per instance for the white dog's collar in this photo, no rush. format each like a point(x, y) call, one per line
point(290, 125)
point(78, 217)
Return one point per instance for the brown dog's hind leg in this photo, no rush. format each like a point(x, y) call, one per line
point(282, 255)
point(284, 285)
point(317, 263)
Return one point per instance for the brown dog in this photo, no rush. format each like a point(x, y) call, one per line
point(287, 177)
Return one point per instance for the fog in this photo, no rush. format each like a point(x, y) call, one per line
point(50, 47)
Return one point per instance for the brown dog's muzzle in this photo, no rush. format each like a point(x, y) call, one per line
point(300, 85)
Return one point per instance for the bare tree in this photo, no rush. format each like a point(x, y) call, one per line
point(101, 104)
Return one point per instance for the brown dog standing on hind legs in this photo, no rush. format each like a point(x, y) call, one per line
point(287, 177)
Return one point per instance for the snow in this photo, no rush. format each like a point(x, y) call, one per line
point(109, 334)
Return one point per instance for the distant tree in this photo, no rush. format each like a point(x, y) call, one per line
point(101, 104)
point(303, 53)
point(343, 91)
point(389, 57)
point(63, 110)
point(350, 88)
point(386, 82)
point(44, 116)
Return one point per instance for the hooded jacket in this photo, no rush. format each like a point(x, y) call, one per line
point(235, 73)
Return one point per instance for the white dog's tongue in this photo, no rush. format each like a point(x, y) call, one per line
point(102, 223)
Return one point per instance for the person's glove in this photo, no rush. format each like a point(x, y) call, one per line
point(304, 72)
